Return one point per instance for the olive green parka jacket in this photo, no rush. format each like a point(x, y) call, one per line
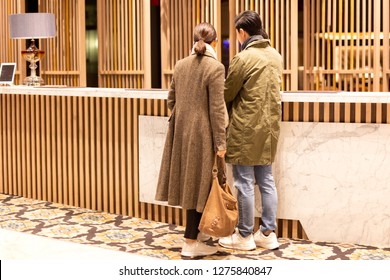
point(252, 96)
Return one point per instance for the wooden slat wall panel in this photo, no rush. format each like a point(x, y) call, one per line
point(280, 20)
point(178, 19)
point(124, 43)
point(336, 112)
point(78, 151)
point(348, 43)
point(11, 48)
point(64, 62)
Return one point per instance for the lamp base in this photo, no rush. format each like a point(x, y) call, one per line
point(33, 81)
point(33, 55)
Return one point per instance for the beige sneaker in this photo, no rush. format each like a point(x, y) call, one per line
point(236, 241)
point(202, 237)
point(197, 249)
point(267, 242)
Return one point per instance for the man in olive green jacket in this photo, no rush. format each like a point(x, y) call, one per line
point(252, 94)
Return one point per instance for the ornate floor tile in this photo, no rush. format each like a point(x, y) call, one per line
point(148, 238)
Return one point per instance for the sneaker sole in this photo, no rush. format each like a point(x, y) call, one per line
point(196, 255)
point(268, 247)
point(237, 247)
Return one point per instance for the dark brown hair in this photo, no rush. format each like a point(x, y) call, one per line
point(203, 33)
point(250, 22)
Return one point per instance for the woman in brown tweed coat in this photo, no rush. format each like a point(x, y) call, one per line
point(196, 132)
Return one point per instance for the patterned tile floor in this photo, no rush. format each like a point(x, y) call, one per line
point(151, 239)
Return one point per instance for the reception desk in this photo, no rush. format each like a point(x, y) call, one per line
point(100, 149)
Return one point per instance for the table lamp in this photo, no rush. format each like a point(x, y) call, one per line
point(32, 26)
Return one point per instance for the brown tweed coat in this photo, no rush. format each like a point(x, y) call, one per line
point(196, 130)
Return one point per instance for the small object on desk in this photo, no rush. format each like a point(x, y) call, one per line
point(7, 74)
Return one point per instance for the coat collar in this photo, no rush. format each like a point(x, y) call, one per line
point(254, 40)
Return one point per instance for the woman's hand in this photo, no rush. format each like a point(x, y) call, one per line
point(221, 153)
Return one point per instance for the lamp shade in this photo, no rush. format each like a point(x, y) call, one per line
point(32, 25)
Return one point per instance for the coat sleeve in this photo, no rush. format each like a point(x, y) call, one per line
point(217, 107)
point(235, 79)
point(171, 95)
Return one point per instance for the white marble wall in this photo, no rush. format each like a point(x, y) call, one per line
point(335, 179)
point(332, 177)
point(151, 140)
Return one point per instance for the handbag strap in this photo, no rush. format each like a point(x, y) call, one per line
point(215, 166)
point(218, 170)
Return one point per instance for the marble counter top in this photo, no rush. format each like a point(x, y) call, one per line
point(298, 96)
point(87, 92)
point(337, 97)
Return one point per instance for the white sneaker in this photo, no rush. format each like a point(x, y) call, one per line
point(197, 249)
point(236, 241)
point(268, 242)
point(203, 237)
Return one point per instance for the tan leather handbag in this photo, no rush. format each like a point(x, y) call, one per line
point(220, 215)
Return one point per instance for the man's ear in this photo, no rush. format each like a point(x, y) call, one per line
point(244, 34)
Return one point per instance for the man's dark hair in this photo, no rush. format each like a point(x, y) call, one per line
point(250, 22)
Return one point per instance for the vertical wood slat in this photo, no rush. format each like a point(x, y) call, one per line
point(62, 150)
point(75, 155)
point(99, 159)
point(57, 108)
point(38, 148)
point(50, 148)
point(34, 176)
point(135, 112)
point(43, 144)
point(143, 111)
point(14, 148)
point(116, 157)
point(128, 170)
point(3, 181)
point(23, 147)
point(69, 151)
point(110, 154)
point(122, 161)
point(292, 52)
point(104, 156)
point(377, 45)
point(50, 188)
point(92, 151)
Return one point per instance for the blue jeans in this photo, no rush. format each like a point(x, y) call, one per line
point(245, 178)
